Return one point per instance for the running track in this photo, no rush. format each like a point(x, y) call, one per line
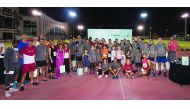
point(89, 87)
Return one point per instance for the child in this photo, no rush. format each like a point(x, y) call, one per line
point(128, 69)
point(99, 70)
point(118, 54)
point(59, 60)
point(86, 60)
point(67, 59)
point(98, 56)
point(115, 68)
point(128, 54)
point(123, 58)
point(138, 57)
point(92, 54)
point(145, 67)
point(105, 68)
point(152, 57)
point(104, 52)
point(113, 53)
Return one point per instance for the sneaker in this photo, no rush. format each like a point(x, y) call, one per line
point(15, 85)
point(26, 82)
point(13, 90)
point(106, 76)
point(7, 94)
point(159, 73)
point(117, 77)
point(100, 76)
point(132, 77)
point(113, 77)
point(44, 80)
point(22, 88)
point(153, 74)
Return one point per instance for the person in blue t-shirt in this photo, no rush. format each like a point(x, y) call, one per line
point(22, 43)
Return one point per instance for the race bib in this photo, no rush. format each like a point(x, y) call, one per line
point(104, 55)
point(54, 53)
point(145, 65)
point(66, 55)
point(109, 55)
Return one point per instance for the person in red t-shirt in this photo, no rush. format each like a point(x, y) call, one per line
point(28, 54)
point(128, 69)
point(145, 67)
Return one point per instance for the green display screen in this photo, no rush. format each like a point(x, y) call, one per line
point(112, 34)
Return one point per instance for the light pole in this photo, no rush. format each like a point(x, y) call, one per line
point(185, 16)
point(140, 28)
point(143, 16)
point(80, 28)
point(73, 15)
point(38, 14)
point(150, 32)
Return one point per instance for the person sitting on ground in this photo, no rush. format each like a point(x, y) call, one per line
point(115, 68)
point(145, 70)
point(128, 69)
point(11, 63)
point(105, 68)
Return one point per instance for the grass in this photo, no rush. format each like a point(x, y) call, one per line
point(183, 44)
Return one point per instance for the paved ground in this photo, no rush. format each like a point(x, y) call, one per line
point(89, 87)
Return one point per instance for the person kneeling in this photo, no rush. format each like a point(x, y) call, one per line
point(128, 69)
point(115, 69)
point(103, 69)
point(145, 67)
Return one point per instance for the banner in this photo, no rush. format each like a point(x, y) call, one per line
point(112, 34)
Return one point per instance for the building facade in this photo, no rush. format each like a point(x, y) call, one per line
point(14, 24)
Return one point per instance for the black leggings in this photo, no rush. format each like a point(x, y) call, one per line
point(105, 72)
point(92, 66)
point(67, 65)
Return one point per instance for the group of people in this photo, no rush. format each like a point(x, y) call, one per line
point(98, 56)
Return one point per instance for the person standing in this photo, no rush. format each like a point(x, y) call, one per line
point(2, 51)
point(52, 58)
point(67, 59)
point(41, 60)
point(152, 57)
point(11, 64)
point(161, 56)
point(172, 49)
point(28, 54)
point(104, 52)
point(22, 43)
point(92, 54)
point(59, 60)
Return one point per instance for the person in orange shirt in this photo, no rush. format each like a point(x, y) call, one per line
point(104, 52)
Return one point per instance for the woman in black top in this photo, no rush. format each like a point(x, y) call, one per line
point(52, 58)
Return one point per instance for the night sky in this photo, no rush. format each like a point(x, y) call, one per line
point(159, 19)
